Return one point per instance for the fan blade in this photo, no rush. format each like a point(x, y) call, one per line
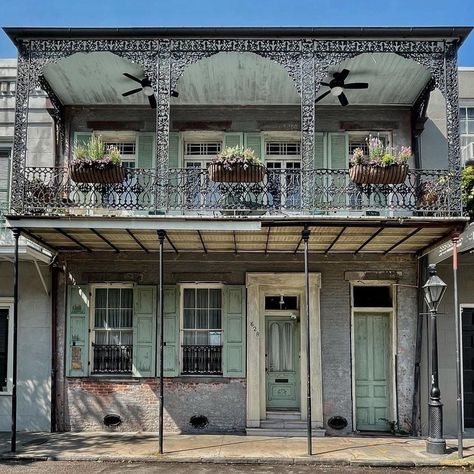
point(133, 78)
point(343, 99)
point(343, 74)
point(152, 100)
point(325, 84)
point(356, 85)
point(322, 96)
point(133, 91)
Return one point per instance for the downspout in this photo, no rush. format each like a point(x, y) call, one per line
point(54, 345)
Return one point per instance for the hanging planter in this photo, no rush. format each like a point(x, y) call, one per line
point(383, 164)
point(237, 173)
point(97, 173)
point(236, 165)
point(368, 174)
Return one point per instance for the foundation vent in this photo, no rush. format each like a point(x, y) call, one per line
point(111, 420)
point(337, 422)
point(199, 421)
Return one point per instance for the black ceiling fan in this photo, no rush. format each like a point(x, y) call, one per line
point(337, 86)
point(145, 87)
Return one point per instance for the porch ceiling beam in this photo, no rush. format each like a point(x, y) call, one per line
point(171, 243)
point(372, 237)
point(202, 241)
point(73, 239)
point(298, 246)
point(369, 223)
point(268, 239)
point(39, 241)
point(135, 238)
point(411, 234)
point(107, 241)
point(335, 241)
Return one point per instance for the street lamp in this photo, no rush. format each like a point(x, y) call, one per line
point(434, 290)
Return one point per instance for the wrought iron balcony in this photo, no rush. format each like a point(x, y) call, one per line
point(202, 360)
point(51, 191)
point(112, 359)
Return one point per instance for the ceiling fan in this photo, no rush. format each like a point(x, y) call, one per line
point(145, 87)
point(337, 86)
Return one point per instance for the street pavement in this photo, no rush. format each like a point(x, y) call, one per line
point(64, 467)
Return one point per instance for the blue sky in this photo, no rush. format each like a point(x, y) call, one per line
point(102, 13)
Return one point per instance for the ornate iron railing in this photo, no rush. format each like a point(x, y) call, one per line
point(51, 191)
point(203, 360)
point(112, 359)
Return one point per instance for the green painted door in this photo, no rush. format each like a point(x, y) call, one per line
point(372, 341)
point(282, 363)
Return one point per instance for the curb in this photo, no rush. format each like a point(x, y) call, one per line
point(237, 460)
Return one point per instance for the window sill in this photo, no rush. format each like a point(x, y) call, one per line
point(6, 394)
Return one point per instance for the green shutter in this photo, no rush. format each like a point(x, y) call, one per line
point(81, 138)
point(338, 151)
point(234, 331)
point(79, 194)
point(171, 331)
point(233, 139)
point(175, 155)
point(145, 150)
point(319, 151)
point(255, 142)
point(144, 330)
point(175, 162)
point(5, 159)
point(77, 355)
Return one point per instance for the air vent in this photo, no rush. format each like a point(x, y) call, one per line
point(112, 420)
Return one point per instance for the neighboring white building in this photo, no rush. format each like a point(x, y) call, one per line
point(34, 328)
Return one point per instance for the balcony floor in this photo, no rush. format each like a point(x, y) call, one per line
point(329, 235)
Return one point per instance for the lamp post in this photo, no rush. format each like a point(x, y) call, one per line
point(434, 290)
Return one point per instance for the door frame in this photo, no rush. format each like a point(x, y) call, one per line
point(258, 285)
point(392, 312)
point(461, 349)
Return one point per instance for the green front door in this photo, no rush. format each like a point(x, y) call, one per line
point(282, 363)
point(372, 341)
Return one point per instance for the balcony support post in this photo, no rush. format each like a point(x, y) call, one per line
point(16, 235)
point(161, 238)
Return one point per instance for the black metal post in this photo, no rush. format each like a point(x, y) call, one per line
point(458, 322)
point(161, 238)
point(305, 236)
point(16, 235)
point(435, 444)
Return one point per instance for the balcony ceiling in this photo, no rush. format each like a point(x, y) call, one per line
point(273, 235)
point(233, 79)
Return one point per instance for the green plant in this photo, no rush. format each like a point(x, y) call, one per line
point(380, 155)
point(237, 155)
point(94, 153)
point(467, 189)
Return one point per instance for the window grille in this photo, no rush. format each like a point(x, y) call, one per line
point(283, 148)
point(202, 331)
point(124, 148)
point(202, 148)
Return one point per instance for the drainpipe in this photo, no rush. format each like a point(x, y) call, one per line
point(54, 335)
point(16, 235)
point(161, 238)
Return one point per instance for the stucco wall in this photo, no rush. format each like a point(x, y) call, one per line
point(34, 350)
point(229, 268)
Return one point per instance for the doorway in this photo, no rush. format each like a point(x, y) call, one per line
point(468, 364)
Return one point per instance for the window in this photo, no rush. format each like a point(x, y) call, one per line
point(202, 331)
point(283, 148)
point(6, 314)
point(359, 140)
point(5, 154)
point(113, 330)
point(466, 117)
point(7, 87)
point(372, 296)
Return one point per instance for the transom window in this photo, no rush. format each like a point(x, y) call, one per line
point(202, 331)
point(359, 140)
point(7, 87)
point(127, 151)
point(202, 148)
point(113, 330)
point(283, 148)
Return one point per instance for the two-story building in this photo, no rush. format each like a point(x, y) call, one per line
point(243, 263)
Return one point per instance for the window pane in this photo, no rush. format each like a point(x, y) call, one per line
point(188, 319)
point(100, 318)
point(215, 298)
point(201, 319)
point(127, 338)
point(470, 112)
point(113, 320)
point(127, 298)
point(202, 338)
point(189, 298)
point(101, 298)
point(470, 126)
point(214, 319)
point(114, 337)
point(101, 337)
point(462, 126)
point(202, 298)
point(127, 318)
point(114, 298)
point(188, 338)
point(372, 297)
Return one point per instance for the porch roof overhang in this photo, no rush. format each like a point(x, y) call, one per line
point(329, 235)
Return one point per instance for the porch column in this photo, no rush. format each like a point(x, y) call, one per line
point(451, 95)
point(16, 235)
point(305, 236)
point(162, 129)
point(161, 238)
point(308, 96)
point(21, 128)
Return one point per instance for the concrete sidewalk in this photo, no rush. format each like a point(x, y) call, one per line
point(143, 447)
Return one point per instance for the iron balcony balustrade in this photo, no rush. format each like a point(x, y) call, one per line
point(112, 359)
point(202, 360)
point(51, 191)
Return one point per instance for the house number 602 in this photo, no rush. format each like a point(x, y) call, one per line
point(254, 329)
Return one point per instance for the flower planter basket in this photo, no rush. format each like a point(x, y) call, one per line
point(237, 174)
point(365, 174)
point(110, 174)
